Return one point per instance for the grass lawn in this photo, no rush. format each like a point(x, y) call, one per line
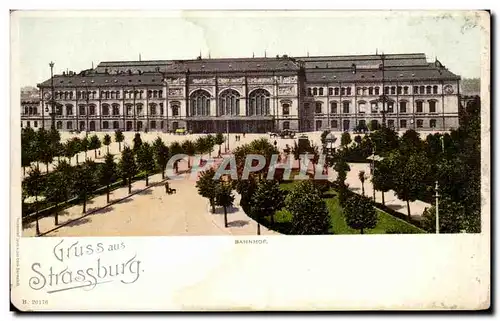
point(386, 222)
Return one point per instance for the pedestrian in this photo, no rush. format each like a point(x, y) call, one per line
point(243, 134)
point(167, 187)
point(275, 143)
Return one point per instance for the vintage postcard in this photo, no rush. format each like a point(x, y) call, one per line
point(250, 160)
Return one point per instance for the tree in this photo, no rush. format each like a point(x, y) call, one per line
point(108, 173)
point(345, 139)
point(409, 176)
point(309, 212)
point(219, 140)
point(224, 197)
point(161, 156)
point(55, 142)
point(106, 141)
point(119, 138)
point(384, 140)
point(358, 140)
point(267, 199)
point(201, 145)
point(137, 143)
point(207, 186)
point(84, 145)
point(362, 178)
point(26, 157)
point(210, 143)
point(410, 142)
point(85, 181)
point(452, 217)
point(44, 150)
point(383, 174)
point(94, 143)
point(359, 213)
point(58, 186)
point(128, 167)
point(189, 148)
point(145, 160)
point(341, 167)
point(33, 187)
point(323, 137)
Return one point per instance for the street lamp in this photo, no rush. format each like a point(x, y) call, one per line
point(52, 112)
point(384, 97)
point(437, 207)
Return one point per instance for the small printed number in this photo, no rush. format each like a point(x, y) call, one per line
point(36, 302)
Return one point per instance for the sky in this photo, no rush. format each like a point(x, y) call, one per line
point(75, 40)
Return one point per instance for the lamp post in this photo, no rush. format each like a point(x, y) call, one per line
point(437, 207)
point(87, 113)
point(52, 112)
point(384, 97)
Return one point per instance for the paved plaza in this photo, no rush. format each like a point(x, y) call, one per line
point(151, 212)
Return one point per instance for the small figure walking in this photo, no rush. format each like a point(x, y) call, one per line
point(275, 143)
point(167, 187)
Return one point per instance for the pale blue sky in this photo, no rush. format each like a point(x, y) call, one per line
point(74, 41)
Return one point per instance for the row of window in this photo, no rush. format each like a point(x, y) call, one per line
point(107, 110)
point(419, 106)
point(403, 123)
point(373, 90)
point(113, 94)
point(107, 125)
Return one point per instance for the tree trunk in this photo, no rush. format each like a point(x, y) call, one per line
point(76, 159)
point(38, 165)
point(107, 193)
point(130, 185)
point(212, 203)
point(383, 198)
point(362, 232)
point(108, 148)
point(47, 166)
point(363, 188)
point(120, 146)
point(69, 160)
point(163, 173)
point(24, 170)
point(84, 203)
point(189, 162)
point(258, 228)
point(225, 216)
point(95, 153)
point(36, 216)
point(56, 217)
point(408, 205)
point(147, 181)
point(219, 151)
point(272, 218)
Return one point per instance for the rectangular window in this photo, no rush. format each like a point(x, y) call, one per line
point(359, 91)
point(318, 108)
point(393, 90)
point(153, 124)
point(336, 91)
point(432, 106)
point(420, 123)
point(402, 106)
point(330, 91)
point(377, 91)
point(374, 107)
point(400, 90)
point(342, 91)
point(386, 90)
point(415, 90)
point(390, 123)
point(370, 91)
point(432, 123)
point(420, 107)
point(402, 123)
point(333, 108)
point(28, 124)
point(405, 90)
point(35, 124)
point(361, 108)
point(318, 124)
point(348, 91)
point(345, 106)
point(334, 123)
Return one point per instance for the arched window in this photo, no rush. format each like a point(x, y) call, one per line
point(129, 111)
point(420, 106)
point(348, 91)
point(35, 111)
point(149, 93)
point(321, 91)
point(362, 107)
point(91, 109)
point(152, 109)
point(333, 107)
point(105, 109)
point(139, 109)
point(229, 103)
point(259, 103)
point(393, 90)
point(59, 125)
point(315, 91)
point(112, 94)
point(70, 95)
point(286, 109)
point(107, 95)
point(200, 103)
point(160, 93)
point(81, 109)
point(69, 125)
point(434, 89)
point(117, 95)
point(405, 90)
point(428, 90)
point(336, 91)
point(422, 90)
point(116, 109)
point(377, 91)
point(370, 91)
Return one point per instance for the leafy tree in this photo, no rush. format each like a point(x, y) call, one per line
point(323, 137)
point(44, 150)
point(224, 197)
point(362, 177)
point(341, 167)
point(26, 157)
point(358, 140)
point(94, 143)
point(359, 213)
point(452, 217)
point(210, 143)
point(33, 187)
point(84, 145)
point(108, 173)
point(190, 149)
point(55, 142)
point(201, 145)
point(410, 142)
point(119, 138)
point(309, 212)
point(137, 143)
point(128, 167)
point(267, 199)
point(345, 139)
point(85, 181)
point(58, 187)
point(176, 149)
point(383, 174)
point(219, 140)
point(384, 140)
point(106, 142)
point(207, 186)
point(409, 176)
point(145, 159)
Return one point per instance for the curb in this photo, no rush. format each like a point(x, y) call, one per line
point(105, 206)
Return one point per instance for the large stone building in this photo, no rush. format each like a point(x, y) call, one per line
point(253, 95)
